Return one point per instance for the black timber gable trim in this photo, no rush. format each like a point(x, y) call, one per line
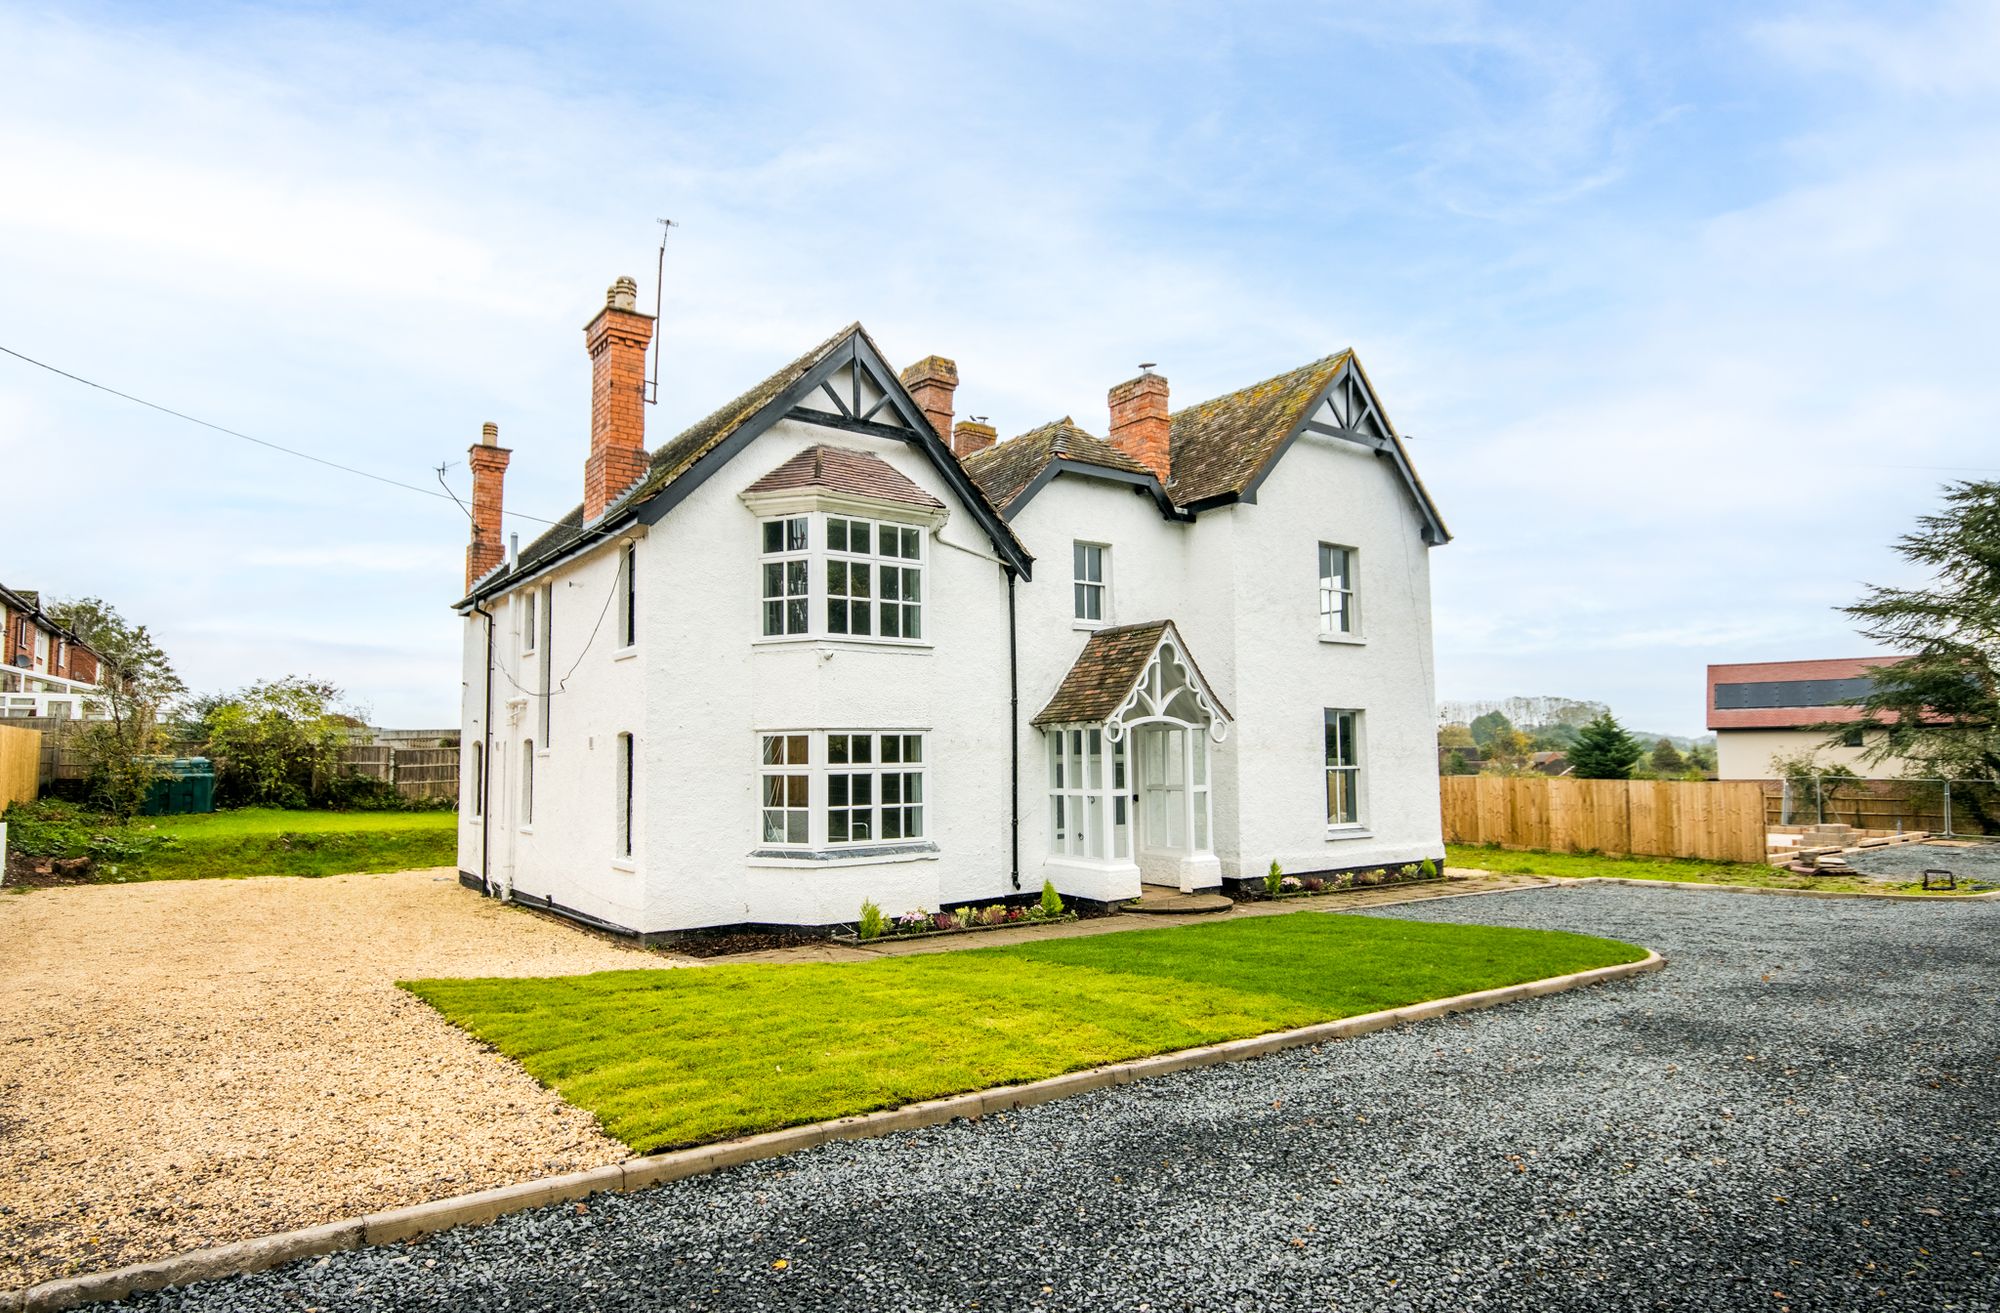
point(1434, 532)
point(1143, 483)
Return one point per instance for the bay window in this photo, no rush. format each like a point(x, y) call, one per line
point(843, 789)
point(864, 578)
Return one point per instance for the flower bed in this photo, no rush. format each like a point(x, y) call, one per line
point(921, 924)
point(1278, 886)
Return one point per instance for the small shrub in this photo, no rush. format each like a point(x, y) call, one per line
point(1368, 877)
point(1017, 914)
point(872, 922)
point(1289, 884)
point(962, 918)
point(1052, 903)
point(1313, 884)
point(910, 923)
point(944, 921)
point(1274, 879)
point(994, 915)
point(1429, 868)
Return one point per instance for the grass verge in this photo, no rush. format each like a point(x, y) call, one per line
point(674, 1057)
point(250, 841)
point(1685, 870)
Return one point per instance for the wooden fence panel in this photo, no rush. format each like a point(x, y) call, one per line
point(1717, 820)
point(20, 765)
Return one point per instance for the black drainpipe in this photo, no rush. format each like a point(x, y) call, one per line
point(486, 755)
point(1013, 735)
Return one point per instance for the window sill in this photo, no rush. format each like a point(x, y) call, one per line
point(1335, 833)
point(625, 864)
point(527, 829)
point(1092, 625)
point(625, 653)
point(1346, 640)
point(836, 642)
point(859, 855)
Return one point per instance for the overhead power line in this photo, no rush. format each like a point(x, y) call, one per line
point(262, 442)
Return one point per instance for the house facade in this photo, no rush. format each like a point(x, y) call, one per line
point(827, 645)
point(1766, 710)
point(44, 669)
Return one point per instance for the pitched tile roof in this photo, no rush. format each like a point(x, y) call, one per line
point(680, 452)
point(1004, 469)
point(839, 469)
point(1104, 672)
point(1218, 447)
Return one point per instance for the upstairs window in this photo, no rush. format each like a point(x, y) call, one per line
point(863, 578)
point(529, 632)
point(1337, 614)
point(628, 595)
point(787, 570)
point(545, 657)
point(1088, 566)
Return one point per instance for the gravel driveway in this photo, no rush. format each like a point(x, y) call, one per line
point(189, 1062)
point(1801, 1112)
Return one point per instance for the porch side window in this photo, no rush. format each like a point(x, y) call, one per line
point(786, 570)
point(1343, 767)
point(1087, 563)
point(1336, 590)
point(1089, 812)
point(874, 787)
point(787, 788)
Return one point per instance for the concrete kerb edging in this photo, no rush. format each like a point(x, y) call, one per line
point(263, 1252)
point(1786, 893)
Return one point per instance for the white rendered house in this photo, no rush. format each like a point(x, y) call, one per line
point(824, 647)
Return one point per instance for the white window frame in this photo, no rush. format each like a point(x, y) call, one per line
point(1090, 784)
point(527, 785)
point(1339, 603)
point(544, 659)
point(1341, 737)
point(476, 757)
point(895, 785)
point(824, 561)
point(1085, 589)
point(530, 620)
point(624, 794)
point(628, 597)
point(779, 760)
point(795, 567)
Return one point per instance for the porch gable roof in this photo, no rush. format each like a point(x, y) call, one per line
point(1109, 668)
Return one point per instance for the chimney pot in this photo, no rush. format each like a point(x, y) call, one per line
point(1141, 426)
point(972, 435)
point(931, 383)
point(489, 478)
point(617, 339)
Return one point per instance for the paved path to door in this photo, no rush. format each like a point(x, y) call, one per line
point(1801, 1112)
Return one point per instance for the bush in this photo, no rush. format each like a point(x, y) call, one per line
point(1274, 878)
point(1428, 868)
point(1052, 903)
point(872, 922)
point(61, 829)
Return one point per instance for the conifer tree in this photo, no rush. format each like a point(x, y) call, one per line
point(1604, 751)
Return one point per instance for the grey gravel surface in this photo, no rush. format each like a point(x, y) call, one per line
point(1906, 861)
point(1800, 1112)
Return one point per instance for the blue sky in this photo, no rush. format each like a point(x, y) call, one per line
point(1689, 308)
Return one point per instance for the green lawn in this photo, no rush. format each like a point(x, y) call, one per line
point(683, 1056)
point(245, 842)
point(1684, 870)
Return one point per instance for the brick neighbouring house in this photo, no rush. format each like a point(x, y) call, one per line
point(45, 670)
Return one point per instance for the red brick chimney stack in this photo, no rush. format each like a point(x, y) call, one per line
point(931, 381)
point(489, 474)
point(1139, 422)
point(617, 339)
point(972, 435)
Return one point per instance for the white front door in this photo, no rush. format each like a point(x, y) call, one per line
point(1172, 806)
